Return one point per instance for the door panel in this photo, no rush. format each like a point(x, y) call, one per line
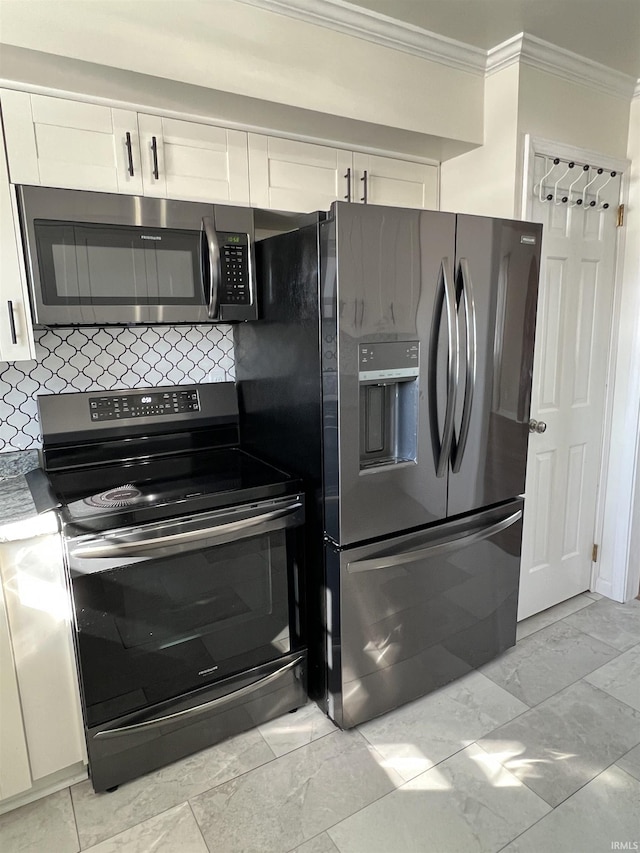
point(411, 627)
point(196, 162)
point(398, 183)
point(501, 280)
point(572, 340)
point(298, 176)
point(382, 290)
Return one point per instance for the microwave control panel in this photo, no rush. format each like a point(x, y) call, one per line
point(235, 286)
point(113, 407)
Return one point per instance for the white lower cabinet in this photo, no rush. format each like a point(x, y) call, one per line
point(15, 775)
point(38, 666)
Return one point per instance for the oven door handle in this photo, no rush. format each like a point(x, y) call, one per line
point(111, 547)
point(189, 713)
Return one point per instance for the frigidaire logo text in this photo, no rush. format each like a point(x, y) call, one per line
point(207, 671)
point(149, 237)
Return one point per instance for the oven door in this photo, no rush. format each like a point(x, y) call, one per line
point(167, 608)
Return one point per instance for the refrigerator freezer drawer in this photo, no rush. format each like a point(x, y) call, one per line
point(420, 610)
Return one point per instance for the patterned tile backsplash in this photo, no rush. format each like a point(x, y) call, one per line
point(105, 359)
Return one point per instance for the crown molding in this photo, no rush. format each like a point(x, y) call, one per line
point(352, 20)
point(562, 63)
point(636, 91)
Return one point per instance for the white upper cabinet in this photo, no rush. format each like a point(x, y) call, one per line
point(55, 142)
point(399, 183)
point(59, 143)
point(62, 143)
point(198, 162)
point(16, 332)
point(300, 176)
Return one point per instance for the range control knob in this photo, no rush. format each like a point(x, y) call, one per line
point(537, 426)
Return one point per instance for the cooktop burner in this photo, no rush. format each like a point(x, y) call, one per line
point(102, 497)
point(114, 498)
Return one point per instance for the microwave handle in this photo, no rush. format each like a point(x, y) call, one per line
point(213, 259)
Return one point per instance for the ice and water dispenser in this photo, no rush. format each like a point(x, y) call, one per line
point(388, 379)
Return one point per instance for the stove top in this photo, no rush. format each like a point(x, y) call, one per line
point(102, 497)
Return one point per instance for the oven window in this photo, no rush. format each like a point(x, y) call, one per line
point(155, 628)
point(115, 265)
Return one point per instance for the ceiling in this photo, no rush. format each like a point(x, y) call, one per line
point(606, 31)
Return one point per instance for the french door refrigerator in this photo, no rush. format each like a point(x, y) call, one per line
point(392, 370)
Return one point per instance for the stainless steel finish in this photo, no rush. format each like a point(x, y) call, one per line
point(471, 356)
point(400, 559)
point(537, 426)
point(504, 272)
point(215, 272)
point(375, 287)
point(185, 534)
point(218, 402)
point(406, 629)
point(454, 357)
point(115, 209)
point(12, 322)
point(190, 713)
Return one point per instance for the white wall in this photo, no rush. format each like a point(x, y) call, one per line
point(571, 113)
point(236, 48)
point(483, 181)
point(621, 531)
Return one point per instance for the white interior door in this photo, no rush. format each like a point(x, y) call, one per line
point(569, 381)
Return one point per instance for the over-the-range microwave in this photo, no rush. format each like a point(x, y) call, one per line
point(98, 259)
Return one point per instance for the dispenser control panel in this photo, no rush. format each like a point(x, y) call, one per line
point(388, 361)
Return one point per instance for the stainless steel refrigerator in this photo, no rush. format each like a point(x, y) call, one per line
point(391, 369)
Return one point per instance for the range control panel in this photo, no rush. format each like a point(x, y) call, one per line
point(113, 407)
point(234, 260)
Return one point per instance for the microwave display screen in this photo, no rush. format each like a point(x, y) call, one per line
point(87, 264)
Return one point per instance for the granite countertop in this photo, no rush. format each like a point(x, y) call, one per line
point(18, 516)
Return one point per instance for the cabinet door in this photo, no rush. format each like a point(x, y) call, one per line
point(60, 143)
point(16, 334)
point(198, 162)
point(14, 760)
point(398, 183)
point(289, 175)
point(39, 614)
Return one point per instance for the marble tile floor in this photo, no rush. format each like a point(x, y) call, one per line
point(538, 751)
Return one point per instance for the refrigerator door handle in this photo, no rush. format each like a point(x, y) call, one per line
point(466, 293)
point(445, 293)
point(390, 560)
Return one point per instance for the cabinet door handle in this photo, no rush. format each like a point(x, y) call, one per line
point(364, 181)
point(348, 177)
point(129, 153)
point(12, 323)
point(154, 148)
